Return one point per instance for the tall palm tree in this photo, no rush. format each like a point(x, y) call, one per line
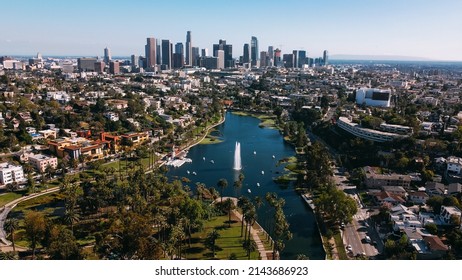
point(243, 203)
point(211, 239)
point(11, 225)
point(229, 206)
point(249, 246)
point(222, 184)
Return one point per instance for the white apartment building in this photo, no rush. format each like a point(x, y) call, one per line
point(366, 133)
point(41, 162)
point(10, 173)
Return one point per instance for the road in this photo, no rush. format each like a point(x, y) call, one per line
point(9, 206)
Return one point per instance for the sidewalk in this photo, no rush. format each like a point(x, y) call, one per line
point(260, 246)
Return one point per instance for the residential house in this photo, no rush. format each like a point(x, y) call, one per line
point(448, 211)
point(378, 180)
point(437, 249)
point(384, 197)
point(454, 188)
point(435, 188)
point(418, 197)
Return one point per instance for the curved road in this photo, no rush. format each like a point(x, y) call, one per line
point(9, 206)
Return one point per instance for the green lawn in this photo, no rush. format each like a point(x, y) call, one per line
point(340, 246)
point(8, 197)
point(230, 241)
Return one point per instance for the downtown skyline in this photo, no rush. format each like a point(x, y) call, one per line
point(422, 29)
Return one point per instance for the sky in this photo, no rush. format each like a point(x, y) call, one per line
point(414, 28)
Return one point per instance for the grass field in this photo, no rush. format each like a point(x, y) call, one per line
point(230, 241)
point(8, 197)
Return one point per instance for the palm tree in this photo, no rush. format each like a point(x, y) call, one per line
point(250, 246)
point(11, 225)
point(222, 184)
point(243, 203)
point(229, 206)
point(210, 240)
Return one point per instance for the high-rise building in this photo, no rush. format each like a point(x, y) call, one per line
point(221, 59)
point(205, 52)
point(288, 60)
point(114, 67)
point(228, 52)
point(107, 55)
point(178, 60)
point(277, 58)
point(188, 49)
point(325, 57)
point(99, 67)
point(86, 63)
point(263, 59)
point(254, 51)
point(270, 56)
point(179, 48)
point(295, 59)
point(135, 61)
point(151, 53)
point(195, 56)
point(166, 54)
point(246, 54)
point(302, 59)
point(158, 53)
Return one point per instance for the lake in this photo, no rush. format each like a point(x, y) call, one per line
point(258, 146)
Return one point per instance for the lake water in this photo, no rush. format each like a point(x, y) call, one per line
point(258, 145)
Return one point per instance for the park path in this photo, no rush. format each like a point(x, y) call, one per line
point(5, 210)
point(260, 246)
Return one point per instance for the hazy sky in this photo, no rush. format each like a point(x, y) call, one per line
point(418, 28)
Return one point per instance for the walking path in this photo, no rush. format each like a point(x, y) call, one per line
point(260, 246)
point(5, 210)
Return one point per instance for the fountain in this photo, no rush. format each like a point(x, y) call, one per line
point(237, 157)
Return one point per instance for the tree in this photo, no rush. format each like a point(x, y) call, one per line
point(62, 244)
point(250, 246)
point(211, 239)
point(432, 228)
point(34, 223)
point(229, 206)
point(222, 184)
point(11, 225)
point(243, 203)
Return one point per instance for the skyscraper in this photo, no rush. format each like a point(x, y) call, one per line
point(178, 56)
point(205, 52)
point(107, 55)
point(114, 67)
point(221, 59)
point(254, 51)
point(228, 52)
point(195, 56)
point(277, 58)
point(270, 56)
point(166, 54)
point(302, 59)
point(263, 59)
point(325, 57)
point(246, 54)
point(151, 53)
point(188, 49)
point(135, 61)
point(295, 59)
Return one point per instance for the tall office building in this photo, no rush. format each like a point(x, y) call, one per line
point(254, 51)
point(195, 56)
point(221, 59)
point(302, 59)
point(158, 53)
point(325, 57)
point(270, 56)
point(295, 59)
point(166, 54)
point(288, 60)
point(99, 67)
point(205, 52)
point(134, 61)
point(277, 58)
point(188, 49)
point(263, 59)
point(151, 53)
point(178, 56)
point(228, 52)
point(107, 55)
point(114, 67)
point(246, 54)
